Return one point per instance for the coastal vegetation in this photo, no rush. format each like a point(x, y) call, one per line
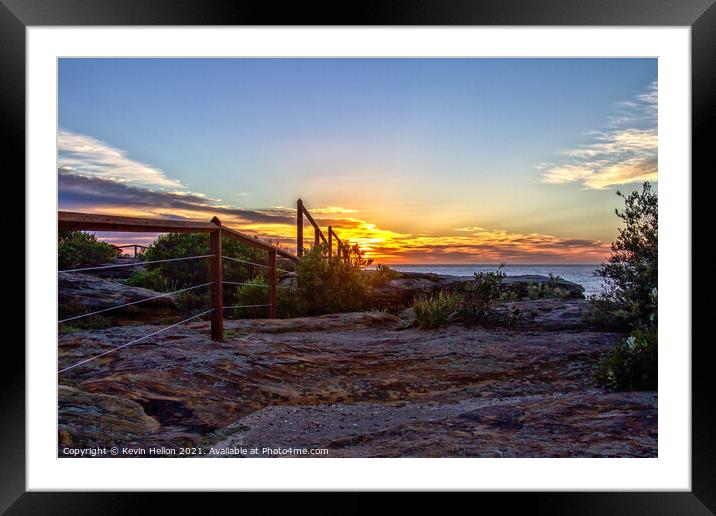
point(629, 299)
point(549, 290)
point(478, 300)
point(439, 310)
point(329, 284)
point(79, 249)
point(382, 275)
point(171, 276)
point(182, 274)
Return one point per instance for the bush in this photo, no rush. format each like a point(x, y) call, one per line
point(546, 290)
point(79, 249)
point(436, 311)
point(629, 299)
point(606, 315)
point(382, 275)
point(328, 284)
point(534, 291)
point(632, 365)
point(631, 272)
point(182, 274)
point(191, 301)
point(152, 279)
point(481, 296)
point(254, 292)
point(476, 306)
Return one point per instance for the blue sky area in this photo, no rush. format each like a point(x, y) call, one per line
point(522, 146)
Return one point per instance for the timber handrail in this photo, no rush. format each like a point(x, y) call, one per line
point(260, 244)
point(122, 246)
point(341, 247)
point(136, 248)
point(98, 222)
point(74, 221)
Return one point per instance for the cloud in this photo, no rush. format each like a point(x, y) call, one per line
point(470, 229)
point(77, 191)
point(626, 151)
point(92, 157)
point(332, 210)
point(492, 246)
point(471, 244)
point(109, 182)
point(479, 246)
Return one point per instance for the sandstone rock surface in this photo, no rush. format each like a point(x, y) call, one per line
point(401, 291)
point(358, 385)
point(80, 293)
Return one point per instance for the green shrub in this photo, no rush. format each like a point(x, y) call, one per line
point(171, 276)
point(382, 275)
point(330, 285)
point(437, 311)
point(192, 301)
point(481, 296)
point(629, 299)
point(631, 272)
point(254, 292)
point(604, 314)
point(181, 274)
point(534, 291)
point(548, 290)
point(508, 296)
point(77, 249)
point(633, 363)
point(152, 279)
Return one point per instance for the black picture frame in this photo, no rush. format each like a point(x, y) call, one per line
point(17, 15)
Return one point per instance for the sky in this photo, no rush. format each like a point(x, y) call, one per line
point(416, 160)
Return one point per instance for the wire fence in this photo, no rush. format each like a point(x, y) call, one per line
point(254, 284)
point(95, 222)
point(116, 307)
point(135, 341)
point(76, 221)
point(136, 264)
point(244, 306)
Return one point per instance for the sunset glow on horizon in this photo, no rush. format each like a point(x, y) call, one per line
point(418, 161)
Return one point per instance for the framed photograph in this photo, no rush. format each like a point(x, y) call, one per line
point(435, 248)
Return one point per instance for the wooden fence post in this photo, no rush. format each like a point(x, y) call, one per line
point(299, 228)
point(330, 241)
point(217, 295)
point(272, 283)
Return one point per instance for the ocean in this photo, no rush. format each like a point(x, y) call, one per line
point(582, 274)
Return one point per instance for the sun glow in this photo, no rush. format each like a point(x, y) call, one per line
point(473, 244)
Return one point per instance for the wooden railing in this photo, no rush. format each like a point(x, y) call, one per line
point(136, 248)
point(216, 230)
point(94, 222)
point(342, 249)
